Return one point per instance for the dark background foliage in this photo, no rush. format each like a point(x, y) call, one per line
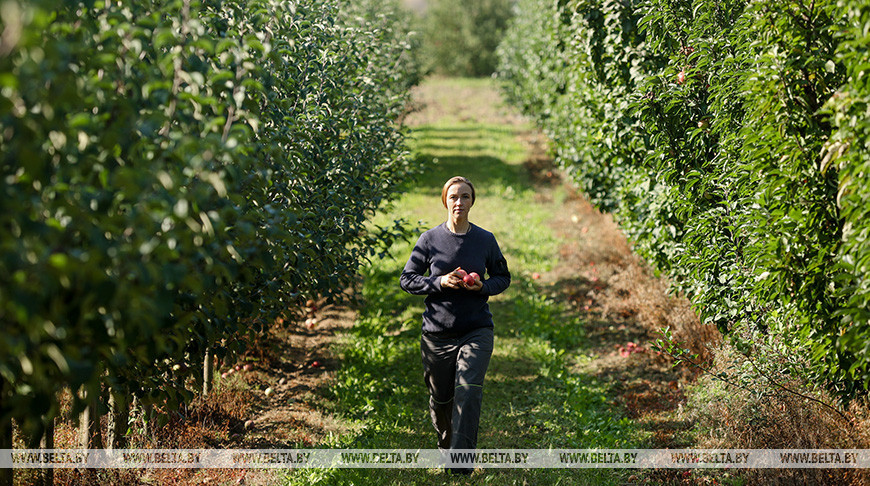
point(460, 38)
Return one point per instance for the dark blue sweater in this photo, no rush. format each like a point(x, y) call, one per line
point(439, 252)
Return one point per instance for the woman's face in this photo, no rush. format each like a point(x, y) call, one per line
point(459, 200)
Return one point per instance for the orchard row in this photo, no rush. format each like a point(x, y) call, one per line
point(731, 140)
point(178, 175)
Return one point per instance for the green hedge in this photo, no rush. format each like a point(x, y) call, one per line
point(730, 140)
point(176, 175)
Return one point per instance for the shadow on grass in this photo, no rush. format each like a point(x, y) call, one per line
point(479, 148)
point(483, 170)
point(469, 132)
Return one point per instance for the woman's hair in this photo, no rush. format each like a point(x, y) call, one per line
point(455, 180)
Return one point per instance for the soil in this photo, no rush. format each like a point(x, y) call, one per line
point(624, 305)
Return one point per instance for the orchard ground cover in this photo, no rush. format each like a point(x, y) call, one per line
point(572, 367)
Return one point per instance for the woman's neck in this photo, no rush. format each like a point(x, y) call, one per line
point(459, 227)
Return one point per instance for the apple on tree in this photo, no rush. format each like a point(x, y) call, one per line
point(681, 77)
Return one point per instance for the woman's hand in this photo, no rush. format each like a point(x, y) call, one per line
point(478, 284)
point(452, 280)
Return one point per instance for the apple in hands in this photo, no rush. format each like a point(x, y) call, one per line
point(453, 279)
point(460, 278)
point(472, 281)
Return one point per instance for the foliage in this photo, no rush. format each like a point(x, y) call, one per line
point(848, 152)
point(178, 173)
point(728, 137)
point(585, 109)
point(460, 38)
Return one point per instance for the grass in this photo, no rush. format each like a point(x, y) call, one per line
point(532, 399)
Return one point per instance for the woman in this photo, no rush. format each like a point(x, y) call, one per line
point(457, 336)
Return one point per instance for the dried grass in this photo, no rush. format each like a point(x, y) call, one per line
point(769, 417)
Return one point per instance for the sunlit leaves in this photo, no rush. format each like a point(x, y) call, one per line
point(729, 138)
point(177, 174)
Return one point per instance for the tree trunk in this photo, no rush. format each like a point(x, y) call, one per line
point(207, 372)
point(46, 475)
point(89, 430)
point(119, 415)
point(89, 423)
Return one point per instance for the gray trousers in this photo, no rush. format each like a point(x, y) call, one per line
point(454, 368)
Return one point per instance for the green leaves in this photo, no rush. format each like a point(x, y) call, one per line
point(156, 159)
point(460, 38)
point(737, 165)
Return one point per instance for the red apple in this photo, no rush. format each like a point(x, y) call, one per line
point(316, 364)
point(248, 367)
point(462, 273)
point(681, 77)
point(536, 276)
point(469, 280)
point(474, 275)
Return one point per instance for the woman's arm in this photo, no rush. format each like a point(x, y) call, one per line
point(497, 269)
point(414, 279)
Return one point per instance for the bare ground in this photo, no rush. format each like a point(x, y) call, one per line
point(600, 277)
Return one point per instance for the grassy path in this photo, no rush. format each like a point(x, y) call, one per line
point(546, 386)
